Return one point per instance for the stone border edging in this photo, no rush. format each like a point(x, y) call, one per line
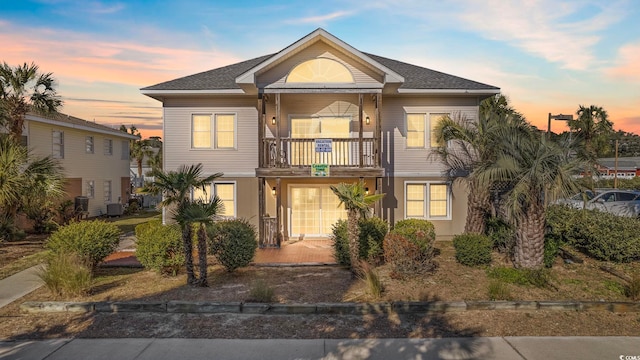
point(191, 307)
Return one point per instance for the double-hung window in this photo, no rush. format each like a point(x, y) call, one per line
point(225, 191)
point(107, 191)
point(213, 131)
point(91, 189)
point(427, 200)
point(89, 147)
point(57, 150)
point(421, 130)
point(108, 147)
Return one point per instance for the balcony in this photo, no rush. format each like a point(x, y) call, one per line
point(294, 157)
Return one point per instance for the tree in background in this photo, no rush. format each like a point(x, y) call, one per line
point(138, 148)
point(22, 89)
point(591, 130)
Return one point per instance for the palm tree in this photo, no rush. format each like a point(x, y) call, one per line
point(138, 148)
point(533, 168)
point(591, 129)
point(358, 205)
point(201, 213)
point(176, 188)
point(24, 89)
point(26, 181)
point(471, 144)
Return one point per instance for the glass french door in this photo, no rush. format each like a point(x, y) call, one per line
point(303, 152)
point(313, 210)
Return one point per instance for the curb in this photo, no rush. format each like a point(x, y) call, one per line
point(429, 307)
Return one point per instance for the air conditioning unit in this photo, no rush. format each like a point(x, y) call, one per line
point(114, 209)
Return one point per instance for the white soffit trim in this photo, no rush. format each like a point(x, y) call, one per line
point(449, 91)
point(114, 132)
point(194, 92)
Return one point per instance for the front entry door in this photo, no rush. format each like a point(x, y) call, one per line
point(313, 210)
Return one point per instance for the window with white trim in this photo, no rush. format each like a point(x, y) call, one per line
point(108, 147)
point(427, 200)
point(226, 192)
point(213, 131)
point(89, 148)
point(57, 150)
point(91, 189)
point(107, 191)
point(421, 130)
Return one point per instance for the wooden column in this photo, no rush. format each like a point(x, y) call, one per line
point(278, 144)
point(261, 211)
point(360, 130)
point(261, 125)
point(278, 211)
point(378, 208)
point(378, 134)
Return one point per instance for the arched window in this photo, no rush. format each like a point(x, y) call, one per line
point(320, 70)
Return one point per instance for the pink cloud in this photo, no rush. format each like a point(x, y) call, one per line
point(627, 64)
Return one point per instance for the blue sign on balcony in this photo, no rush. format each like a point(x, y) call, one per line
point(323, 145)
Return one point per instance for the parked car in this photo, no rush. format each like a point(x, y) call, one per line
point(617, 202)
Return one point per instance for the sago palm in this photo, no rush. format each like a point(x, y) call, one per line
point(201, 213)
point(176, 188)
point(358, 205)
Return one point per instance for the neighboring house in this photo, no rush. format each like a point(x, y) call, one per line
point(95, 157)
point(626, 168)
point(284, 127)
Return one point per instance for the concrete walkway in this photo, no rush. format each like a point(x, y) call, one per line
point(16, 286)
point(507, 348)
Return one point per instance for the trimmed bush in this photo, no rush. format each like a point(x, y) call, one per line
point(473, 249)
point(92, 241)
point(405, 257)
point(233, 242)
point(340, 238)
point(420, 232)
point(598, 234)
point(159, 247)
point(66, 275)
point(372, 233)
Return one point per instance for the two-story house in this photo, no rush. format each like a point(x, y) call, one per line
point(95, 157)
point(284, 127)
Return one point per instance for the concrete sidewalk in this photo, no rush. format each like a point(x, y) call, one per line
point(507, 348)
point(16, 286)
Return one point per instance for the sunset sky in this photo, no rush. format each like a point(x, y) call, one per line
point(545, 55)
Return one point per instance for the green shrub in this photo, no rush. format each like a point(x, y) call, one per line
point(473, 249)
point(66, 275)
point(372, 233)
point(498, 290)
point(233, 242)
point(598, 234)
point(406, 257)
point(502, 235)
point(420, 232)
point(92, 241)
point(261, 292)
point(340, 239)
point(551, 249)
point(159, 247)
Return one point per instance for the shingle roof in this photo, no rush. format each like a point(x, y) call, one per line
point(416, 77)
point(73, 121)
point(216, 79)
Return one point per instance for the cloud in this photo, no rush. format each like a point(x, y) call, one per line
point(627, 64)
point(320, 19)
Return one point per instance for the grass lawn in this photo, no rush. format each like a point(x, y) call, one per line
point(128, 223)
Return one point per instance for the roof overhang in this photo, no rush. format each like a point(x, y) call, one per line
point(159, 94)
point(487, 92)
point(249, 77)
point(114, 132)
